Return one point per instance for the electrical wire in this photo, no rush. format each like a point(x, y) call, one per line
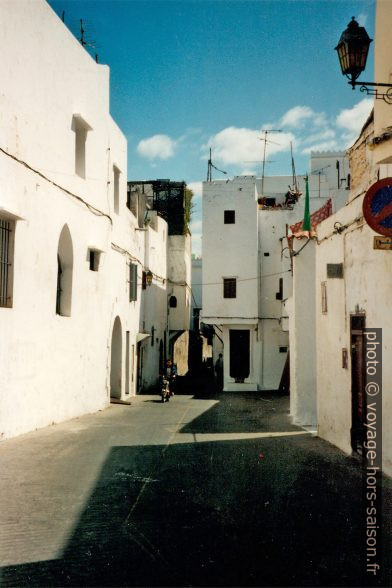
point(90, 207)
point(245, 279)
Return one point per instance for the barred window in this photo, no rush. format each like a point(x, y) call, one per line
point(229, 287)
point(7, 229)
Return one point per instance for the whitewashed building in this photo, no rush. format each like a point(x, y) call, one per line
point(359, 296)
point(247, 275)
point(75, 304)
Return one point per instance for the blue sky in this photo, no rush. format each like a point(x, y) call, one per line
point(187, 75)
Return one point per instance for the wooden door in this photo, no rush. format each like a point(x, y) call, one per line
point(357, 381)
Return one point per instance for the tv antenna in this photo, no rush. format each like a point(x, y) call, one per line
point(85, 42)
point(319, 172)
point(266, 140)
point(210, 166)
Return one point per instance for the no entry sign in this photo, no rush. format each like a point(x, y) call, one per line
point(377, 207)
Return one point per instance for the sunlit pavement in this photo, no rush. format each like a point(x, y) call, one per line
point(200, 491)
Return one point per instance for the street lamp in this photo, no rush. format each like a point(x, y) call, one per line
point(149, 277)
point(353, 48)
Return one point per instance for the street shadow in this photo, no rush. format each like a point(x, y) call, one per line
point(249, 412)
point(262, 512)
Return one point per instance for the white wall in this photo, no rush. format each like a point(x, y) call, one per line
point(179, 281)
point(57, 367)
point(230, 250)
point(303, 372)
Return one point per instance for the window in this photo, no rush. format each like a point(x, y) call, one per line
point(116, 189)
point(324, 305)
point(80, 128)
point(334, 270)
point(229, 287)
point(279, 295)
point(93, 258)
point(229, 217)
point(144, 280)
point(7, 230)
point(64, 273)
point(132, 282)
point(173, 302)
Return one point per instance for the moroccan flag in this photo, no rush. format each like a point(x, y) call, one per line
point(307, 225)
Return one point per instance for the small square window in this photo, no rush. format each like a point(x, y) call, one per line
point(229, 217)
point(229, 287)
point(93, 258)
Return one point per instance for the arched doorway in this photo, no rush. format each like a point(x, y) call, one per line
point(116, 360)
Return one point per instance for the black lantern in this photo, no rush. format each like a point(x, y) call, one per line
point(149, 277)
point(353, 48)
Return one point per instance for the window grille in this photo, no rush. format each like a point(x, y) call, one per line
point(6, 227)
point(229, 287)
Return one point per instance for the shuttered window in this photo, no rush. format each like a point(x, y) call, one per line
point(132, 282)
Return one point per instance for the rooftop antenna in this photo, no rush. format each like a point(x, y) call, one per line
point(295, 183)
point(319, 172)
point(82, 31)
point(266, 131)
point(86, 42)
point(210, 166)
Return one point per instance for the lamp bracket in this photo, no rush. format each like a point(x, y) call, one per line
point(373, 91)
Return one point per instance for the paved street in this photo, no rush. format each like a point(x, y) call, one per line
point(201, 491)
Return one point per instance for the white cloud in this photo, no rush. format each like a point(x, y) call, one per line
point(235, 145)
point(247, 172)
point(296, 116)
point(321, 136)
point(323, 146)
point(351, 120)
point(157, 147)
point(196, 188)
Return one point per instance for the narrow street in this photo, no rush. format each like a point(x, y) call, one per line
point(201, 491)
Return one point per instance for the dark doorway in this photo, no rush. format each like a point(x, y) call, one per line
point(239, 354)
point(139, 368)
point(357, 381)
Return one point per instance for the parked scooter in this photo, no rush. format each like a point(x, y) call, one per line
point(166, 391)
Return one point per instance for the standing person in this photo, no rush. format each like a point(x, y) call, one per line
point(219, 372)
